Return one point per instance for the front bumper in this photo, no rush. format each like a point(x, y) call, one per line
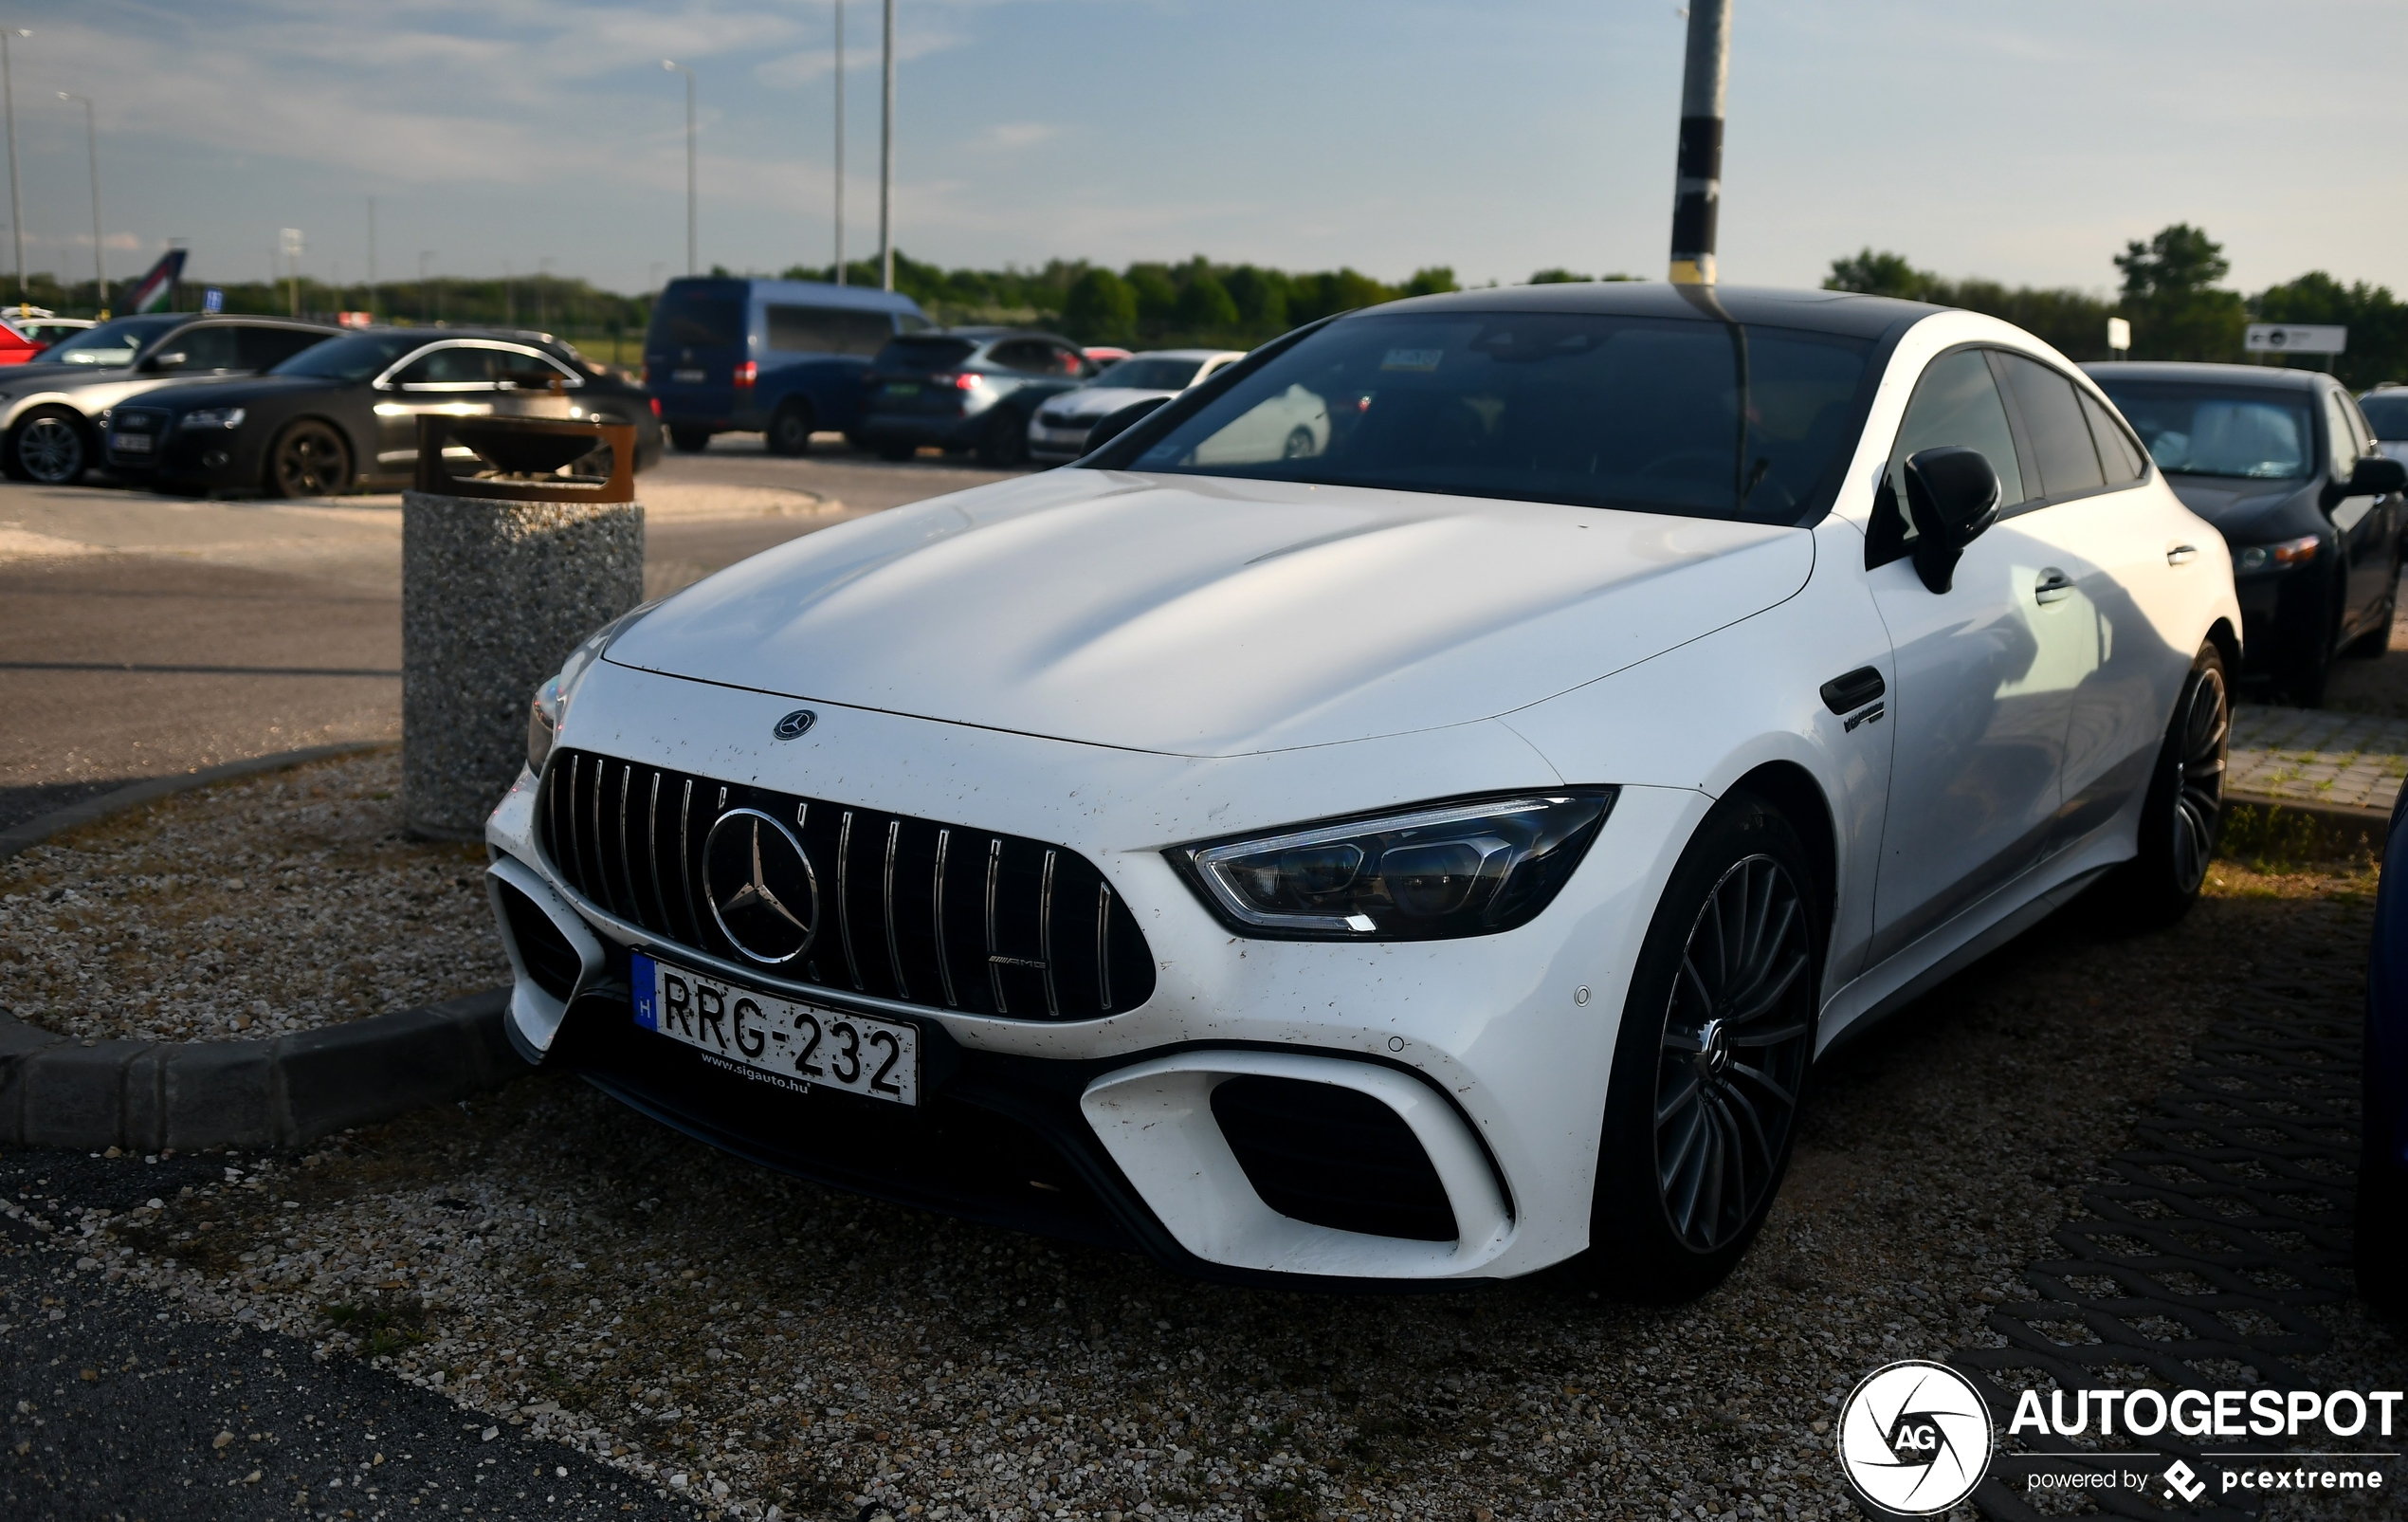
point(1057, 445)
point(1492, 1051)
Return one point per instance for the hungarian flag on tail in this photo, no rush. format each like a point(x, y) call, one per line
point(152, 292)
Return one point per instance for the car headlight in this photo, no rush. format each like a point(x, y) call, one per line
point(213, 417)
point(2282, 557)
point(1431, 873)
point(550, 705)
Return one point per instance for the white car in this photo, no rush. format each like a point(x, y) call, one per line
point(1435, 855)
point(1058, 431)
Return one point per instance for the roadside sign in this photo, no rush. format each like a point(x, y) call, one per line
point(2119, 334)
point(212, 299)
point(2292, 337)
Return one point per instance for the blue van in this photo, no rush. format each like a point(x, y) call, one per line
point(781, 358)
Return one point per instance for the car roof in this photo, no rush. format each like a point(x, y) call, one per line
point(1821, 311)
point(2272, 377)
point(868, 298)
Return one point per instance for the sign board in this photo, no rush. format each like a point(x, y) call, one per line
point(212, 301)
point(2119, 334)
point(289, 241)
point(2292, 337)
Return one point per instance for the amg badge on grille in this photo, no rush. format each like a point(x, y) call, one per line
point(761, 889)
point(795, 724)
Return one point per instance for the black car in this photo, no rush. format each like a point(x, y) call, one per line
point(53, 411)
point(345, 414)
point(965, 389)
point(2283, 465)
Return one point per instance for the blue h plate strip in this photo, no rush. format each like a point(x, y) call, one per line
point(648, 988)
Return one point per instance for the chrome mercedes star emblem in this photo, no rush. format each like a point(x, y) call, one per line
point(795, 724)
point(759, 884)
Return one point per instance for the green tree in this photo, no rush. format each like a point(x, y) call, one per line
point(2170, 296)
point(1099, 309)
point(1880, 274)
point(1205, 306)
point(1431, 282)
point(2376, 320)
point(1558, 277)
point(1314, 296)
point(1261, 296)
point(1158, 295)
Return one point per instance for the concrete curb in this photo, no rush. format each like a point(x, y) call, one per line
point(75, 816)
point(284, 1092)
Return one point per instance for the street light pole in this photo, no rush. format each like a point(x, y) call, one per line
point(840, 141)
point(886, 165)
point(372, 259)
point(424, 254)
point(1698, 195)
point(692, 266)
point(92, 140)
point(16, 198)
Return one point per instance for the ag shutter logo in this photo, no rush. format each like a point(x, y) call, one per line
point(1914, 1437)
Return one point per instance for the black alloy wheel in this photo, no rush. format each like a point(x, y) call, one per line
point(308, 459)
point(1710, 1067)
point(1004, 442)
point(51, 447)
point(690, 440)
point(2182, 817)
point(790, 429)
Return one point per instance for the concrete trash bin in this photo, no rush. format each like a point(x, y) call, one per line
point(496, 591)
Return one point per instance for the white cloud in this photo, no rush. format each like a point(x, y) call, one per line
point(1011, 135)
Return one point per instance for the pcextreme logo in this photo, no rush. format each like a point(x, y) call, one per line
point(1914, 1437)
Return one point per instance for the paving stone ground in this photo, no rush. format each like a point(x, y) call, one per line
point(2321, 756)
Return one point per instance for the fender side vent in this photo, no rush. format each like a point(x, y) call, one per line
point(1333, 1157)
point(549, 957)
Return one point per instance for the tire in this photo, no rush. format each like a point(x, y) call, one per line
point(1697, 1138)
point(53, 446)
point(790, 429)
point(897, 453)
point(308, 459)
point(1004, 442)
point(1298, 445)
point(2183, 814)
point(2376, 642)
point(686, 440)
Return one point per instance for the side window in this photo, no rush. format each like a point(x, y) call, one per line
point(528, 370)
point(450, 369)
point(1028, 355)
point(2118, 454)
point(265, 348)
point(2340, 437)
point(2060, 440)
point(204, 349)
point(1070, 362)
point(1957, 402)
point(827, 330)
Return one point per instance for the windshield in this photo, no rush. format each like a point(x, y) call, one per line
point(354, 360)
point(2387, 414)
point(923, 354)
point(1150, 375)
point(1664, 415)
point(2222, 432)
point(111, 344)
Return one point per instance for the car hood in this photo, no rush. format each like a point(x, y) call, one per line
point(2233, 505)
point(1207, 616)
point(1091, 403)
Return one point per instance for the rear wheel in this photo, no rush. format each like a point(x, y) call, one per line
point(1710, 1065)
point(2183, 814)
point(50, 446)
point(686, 440)
point(790, 429)
point(308, 459)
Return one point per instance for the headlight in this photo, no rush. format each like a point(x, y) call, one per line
point(213, 417)
point(2280, 557)
point(1445, 871)
point(550, 705)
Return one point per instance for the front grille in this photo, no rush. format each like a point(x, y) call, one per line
point(127, 420)
point(921, 913)
point(1333, 1157)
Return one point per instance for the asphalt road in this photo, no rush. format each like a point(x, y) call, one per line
point(141, 635)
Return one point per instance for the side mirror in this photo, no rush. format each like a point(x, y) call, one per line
point(2378, 476)
point(1116, 424)
point(1952, 495)
point(176, 361)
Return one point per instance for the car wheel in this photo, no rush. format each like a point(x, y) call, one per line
point(897, 451)
point(690, 440)
point(790, 431)
point(1004, 442)
point(308, 459)
point(50, 446)
point(1299, 444)
point(2183, 814)
point(1710, 1065)
point(2376, 641)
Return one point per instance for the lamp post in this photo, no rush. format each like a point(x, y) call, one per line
point(886, 165)
point(675, 67)
point(1698, 196)
point(840, 141)
point(372, 259)
point(424, 254)
point(16, 198)
point(92, 142)
point(543, 293)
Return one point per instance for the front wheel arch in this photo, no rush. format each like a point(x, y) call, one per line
point(352, 462)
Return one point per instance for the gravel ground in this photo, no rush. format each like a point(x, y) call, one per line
point(755, 1343)
point(245, 910)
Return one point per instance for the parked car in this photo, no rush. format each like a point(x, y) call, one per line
point(2282, 462)
point(2386, 409)
point(1434, 857)
point(345, 413)
point(16, 346)
point(1058, 429)
point(1104, 354)
point(966, 389)
point(2382, 1170)
point(52, 412)
point(783, 358)
point(47, 330)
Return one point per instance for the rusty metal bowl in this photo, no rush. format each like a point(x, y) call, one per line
point(523, 451)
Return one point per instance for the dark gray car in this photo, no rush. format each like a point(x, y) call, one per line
point(53, 415)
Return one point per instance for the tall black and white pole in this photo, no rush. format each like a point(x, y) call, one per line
point(886, 165)
point(840, 141)
point(675, 67)
point(16, 200)
point(1699, 196)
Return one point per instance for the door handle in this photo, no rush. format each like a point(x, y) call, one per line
point(2054, 586)
point(2181, 554)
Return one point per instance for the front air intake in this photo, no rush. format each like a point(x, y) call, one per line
point(1332, 1157)
point(550, 961)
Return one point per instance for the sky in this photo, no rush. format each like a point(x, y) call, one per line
point(2024, 142)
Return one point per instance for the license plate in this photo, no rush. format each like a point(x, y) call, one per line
point(902, 388)
point(132, 443)
point(778, 1040)
point(688, 378)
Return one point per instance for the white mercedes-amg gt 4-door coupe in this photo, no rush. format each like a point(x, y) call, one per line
point(1432, 854)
